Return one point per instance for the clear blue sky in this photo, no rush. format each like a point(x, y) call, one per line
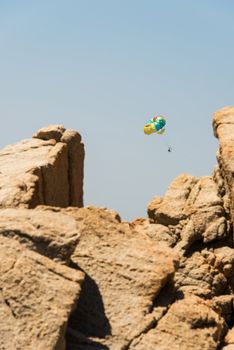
point(103, 67)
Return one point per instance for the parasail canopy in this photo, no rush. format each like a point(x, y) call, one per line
point(155, 125)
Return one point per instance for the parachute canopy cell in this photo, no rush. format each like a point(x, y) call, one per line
point(155, 125)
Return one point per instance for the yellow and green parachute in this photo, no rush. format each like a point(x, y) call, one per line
point(155, 125)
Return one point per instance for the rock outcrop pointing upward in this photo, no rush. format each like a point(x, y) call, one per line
point(223, 124)
point(74, 277)
point(47, 169)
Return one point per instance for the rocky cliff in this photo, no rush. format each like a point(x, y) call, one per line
point(78, 278)
point(47, 169)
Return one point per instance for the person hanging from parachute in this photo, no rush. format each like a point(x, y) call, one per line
point(156, 125)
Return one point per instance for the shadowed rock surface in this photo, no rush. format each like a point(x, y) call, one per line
point(223, 124)
point(189, 324)
point(125, 268)
point(52, 234)
point(159, 283)
point(37, 296)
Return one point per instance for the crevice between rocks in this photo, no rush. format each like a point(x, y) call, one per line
point(9, 307)
point(37, 245)
point(159, 308)
point(223, 190)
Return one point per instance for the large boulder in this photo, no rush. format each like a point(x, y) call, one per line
point(169, 210)
point(47, 232)
point(192, 210)
point(37, 295)
point(47, 169)
point(125, 272)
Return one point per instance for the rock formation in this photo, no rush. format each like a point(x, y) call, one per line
point(74, 277)
point(47, 169)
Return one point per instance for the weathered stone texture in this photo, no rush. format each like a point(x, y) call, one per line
point(160, 283)
point(189, 324)
point(37, 296)
point(223, 124)
point(157, 232)
point(47, 169)
point(207, 273)
point(192, 210)
point(50, 233)
point(125, 271)
point(170, 209)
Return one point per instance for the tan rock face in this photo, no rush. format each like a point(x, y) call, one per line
point(228, 347)
point(54, 132)
point(206, 273)
point(157, 232)
point(37, 296)
point(205, 214)
point(192, 210)
point(47, 169)
point(189, 324)
point(125, 271)
point(50, 233)
point(229, 339)
point(223, 124)
point(170, 209)
point(160, 283)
